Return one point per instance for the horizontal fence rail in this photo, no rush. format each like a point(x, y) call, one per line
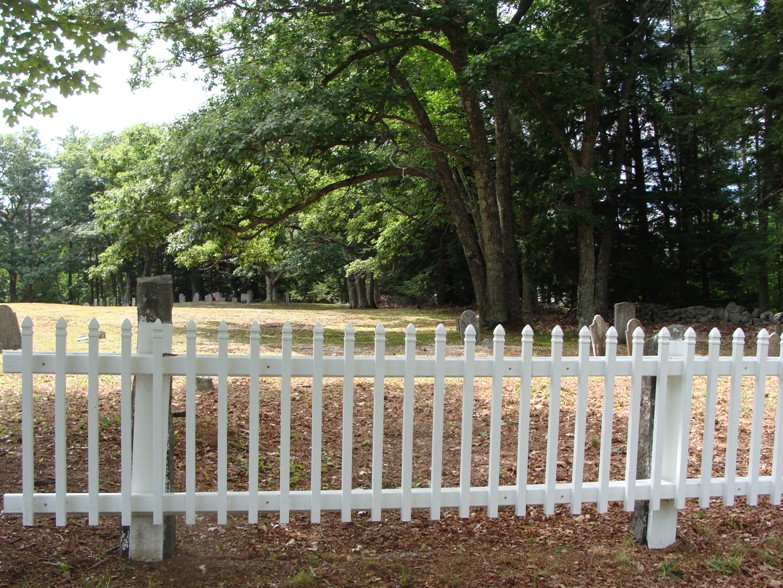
point(675, 366)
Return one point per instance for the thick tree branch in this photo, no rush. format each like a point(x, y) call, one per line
point(258, 224)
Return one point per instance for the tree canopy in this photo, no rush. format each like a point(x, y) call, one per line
point(497, 153)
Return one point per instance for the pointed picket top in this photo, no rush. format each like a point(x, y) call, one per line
point(714, 335)
point(126, 324)
point(288, 331)
point(61, 323)
point(690, 336)
point(584, 333)
point(126, 329)
point(94, 324)
point(470, 332)
point(557, 333)
point(738, 335)
point(410, 330)
point(350, 331)
point(255, 327)
point(664, 334)
point(27, 322)
point(222, 329)
point(318, 333)
point(527, 331)
point(440, 332)
point(611, 334)
point(379, 330)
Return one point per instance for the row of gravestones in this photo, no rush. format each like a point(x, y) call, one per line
point(111, 302)
point(246, 297)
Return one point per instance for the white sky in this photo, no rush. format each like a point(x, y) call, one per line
point(116, 106)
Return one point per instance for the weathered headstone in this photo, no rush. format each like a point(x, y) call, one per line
point(632, 325)
point(208, 298)
point(217, 297)
point(249, 297)
point(95, 302)
point(774, 345)
point(234, 298)
point(133, 301)
point(181, 298)
point(640, 518)
point(287, 298)
point(243, 297)
point(196, 297)
point(468, 318)
point(623, 312)
point(598, 330)
point(10, 335)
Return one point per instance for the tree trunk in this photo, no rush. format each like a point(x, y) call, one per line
point(352, 301)
point(585, 237)
point(370, 290)
point(361, 291)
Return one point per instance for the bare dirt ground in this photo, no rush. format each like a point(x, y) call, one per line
point(740, 546)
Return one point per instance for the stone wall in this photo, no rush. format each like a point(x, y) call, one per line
point(732, 313)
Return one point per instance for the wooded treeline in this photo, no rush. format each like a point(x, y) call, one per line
point(496, 153)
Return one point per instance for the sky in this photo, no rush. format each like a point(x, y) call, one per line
point(116, 106)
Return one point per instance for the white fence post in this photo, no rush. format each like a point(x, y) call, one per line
point(671, 428)
point(147, 535)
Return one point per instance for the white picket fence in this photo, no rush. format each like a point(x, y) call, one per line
point(676, 365)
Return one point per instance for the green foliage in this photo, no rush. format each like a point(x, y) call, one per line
point(46, 43)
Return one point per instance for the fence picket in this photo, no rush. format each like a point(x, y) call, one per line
point(285, 424)
point(684, 415)
point(732, 433)
point(253, 416)
point(126, 422)
point(60, 425)
point(553, 428)
point(634, 416)
point(523, 433)
point(438, 398)
point(710, 413)
point(407, 422)
point(777, 450)
point(347, 458)
point(757, 426)
point(222, 431)
point(580, 421)
point(93, 475)
point(496, 420)
point(466, 441)
point(377, 423)
point(662, 429)
point(317, 432)
point(28, 447)
point(607, 420)
point(190, 423)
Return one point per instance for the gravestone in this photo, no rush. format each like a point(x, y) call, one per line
point(468, 318)
point(208, 298)
point(181, 298)
point(10, 335)
point(641, 514)
point(774, 345)
point(249, 297)
point(598, 330)
point(133, 301)
point(287, 298)
point(623, 312)
point(217, 297)
point(196, 297)
point(243, 297)
point(633, 324)
point(95, 302)
point(233, 298)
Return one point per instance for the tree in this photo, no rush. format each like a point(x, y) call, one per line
point(24, 194)
point(44, 45)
